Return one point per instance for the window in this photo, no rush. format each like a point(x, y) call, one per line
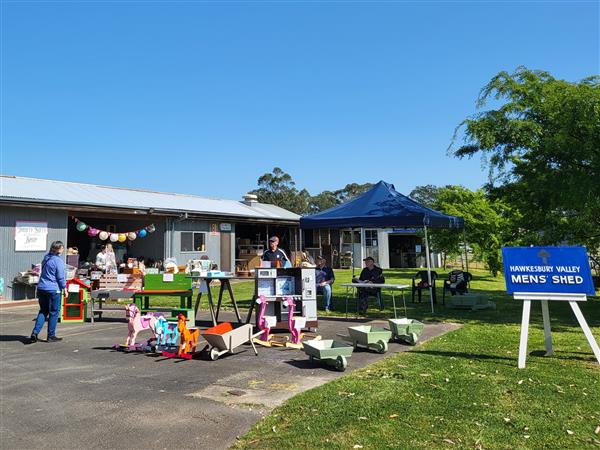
point(192, 241)
point(371, 238)
point(347, 237)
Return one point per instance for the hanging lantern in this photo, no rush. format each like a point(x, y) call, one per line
point(122, 237)
point(103, 235)
point(150, 228)
point(131, 236)
point(81, 226)
point(92, 232)
point(142, 233)
point(114, 237)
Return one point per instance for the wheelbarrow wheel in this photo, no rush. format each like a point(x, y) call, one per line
point(341, 363)
point(412, 338)
point(382, 347)
point(214, 354)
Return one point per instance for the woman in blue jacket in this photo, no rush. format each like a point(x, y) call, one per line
point(52, 282)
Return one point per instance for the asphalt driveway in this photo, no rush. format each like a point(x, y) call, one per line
point(79, 393)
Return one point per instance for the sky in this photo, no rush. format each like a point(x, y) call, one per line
point(204, 97)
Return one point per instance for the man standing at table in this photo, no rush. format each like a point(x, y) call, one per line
point(275, 255)
point(324, 277)
point(370, 274)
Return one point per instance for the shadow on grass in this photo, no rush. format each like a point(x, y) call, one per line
point(565, 356)
point(465, 355)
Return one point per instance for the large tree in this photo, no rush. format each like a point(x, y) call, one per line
point(486, 222)
point(541, 141)
point(278, 188)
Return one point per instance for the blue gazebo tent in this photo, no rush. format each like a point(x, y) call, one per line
point(380, 207)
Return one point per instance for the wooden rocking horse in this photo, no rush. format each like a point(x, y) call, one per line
point(295, 324)
point(265, 323)
point(137, 323)
point(188, 338)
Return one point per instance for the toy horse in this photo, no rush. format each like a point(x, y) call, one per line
point(167, 333)
point(138, 323)
point(295, 325)
point(188, 337)
point(265, 323)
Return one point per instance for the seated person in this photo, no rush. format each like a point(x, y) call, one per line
point(274, 255)
point(324, 277)
point(370, 274)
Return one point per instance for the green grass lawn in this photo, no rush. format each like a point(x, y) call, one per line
point(460, 390)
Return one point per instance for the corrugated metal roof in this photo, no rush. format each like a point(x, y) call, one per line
point(80, 194)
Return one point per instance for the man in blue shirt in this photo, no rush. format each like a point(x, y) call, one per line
point(275, 255)
point(324, 278)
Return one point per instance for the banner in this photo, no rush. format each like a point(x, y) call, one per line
point(547, 269)
point(31, 236)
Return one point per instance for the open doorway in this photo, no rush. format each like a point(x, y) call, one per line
point(150, 247)
point(404, 250)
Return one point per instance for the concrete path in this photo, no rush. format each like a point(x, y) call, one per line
point(80, 394)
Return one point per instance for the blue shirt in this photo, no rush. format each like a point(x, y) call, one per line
point(52, 277)
point(324, 274)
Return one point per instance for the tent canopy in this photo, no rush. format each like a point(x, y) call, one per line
point(381, 206)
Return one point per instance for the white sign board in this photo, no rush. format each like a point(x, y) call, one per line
point(548, 274)
point(31, 236)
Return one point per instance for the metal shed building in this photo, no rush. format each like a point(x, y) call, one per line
point(178, 218)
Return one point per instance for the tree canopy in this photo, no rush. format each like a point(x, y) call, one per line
point(278, 188)
point(486, 222)
point(542, 146)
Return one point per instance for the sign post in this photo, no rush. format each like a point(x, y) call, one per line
point(548, 274)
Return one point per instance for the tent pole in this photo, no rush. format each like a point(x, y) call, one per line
point(428, 268)
point(465, 245)
point(352, 249)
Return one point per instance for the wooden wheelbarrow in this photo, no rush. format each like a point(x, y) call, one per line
point(406, 330)
point(369, 337)
point(223, 338)
point(332, 353)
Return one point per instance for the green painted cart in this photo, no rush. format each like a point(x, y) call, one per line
point(332, 353)
point(370, 337)
point(406, 330)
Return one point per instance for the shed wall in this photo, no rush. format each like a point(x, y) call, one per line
point(12, 261)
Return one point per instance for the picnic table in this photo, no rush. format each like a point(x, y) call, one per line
point(166, 285)
point(112, 286)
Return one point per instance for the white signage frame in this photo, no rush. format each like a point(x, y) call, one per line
point(36, 241)
point(543, 298)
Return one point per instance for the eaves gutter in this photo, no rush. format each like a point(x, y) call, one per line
point(91, 208)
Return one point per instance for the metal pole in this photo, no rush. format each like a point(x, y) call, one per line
point(352, 250)
point(466, 254)
point(428, 268)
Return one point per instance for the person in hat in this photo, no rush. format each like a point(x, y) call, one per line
point(275, 255)
point(370, 274)
point(324, 277)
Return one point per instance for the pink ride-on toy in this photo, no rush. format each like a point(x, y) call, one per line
point(295, 325)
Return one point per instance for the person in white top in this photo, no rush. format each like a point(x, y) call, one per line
point(105, 260)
